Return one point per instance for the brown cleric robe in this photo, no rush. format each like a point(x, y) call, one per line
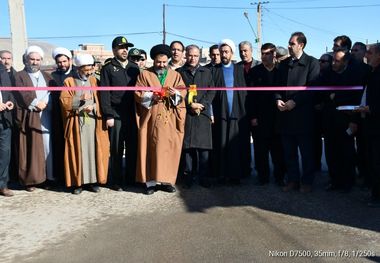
point(73, 153)
point(160, 130)
point(31, 155)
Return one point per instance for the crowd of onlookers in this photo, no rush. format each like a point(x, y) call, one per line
point(190, 120)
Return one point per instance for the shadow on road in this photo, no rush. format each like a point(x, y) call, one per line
point(348, 209)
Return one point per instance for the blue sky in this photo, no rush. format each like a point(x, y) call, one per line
point(67, 23)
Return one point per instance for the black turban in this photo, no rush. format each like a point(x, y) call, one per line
point(160, 49)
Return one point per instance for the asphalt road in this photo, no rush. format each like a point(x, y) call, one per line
point(244, 223)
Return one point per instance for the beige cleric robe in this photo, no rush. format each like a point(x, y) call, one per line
point(31, 157)
point(73, 153)
point(160, 131)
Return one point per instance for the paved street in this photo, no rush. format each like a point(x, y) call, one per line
point(245, 223)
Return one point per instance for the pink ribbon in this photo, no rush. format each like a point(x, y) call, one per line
point(121, 88)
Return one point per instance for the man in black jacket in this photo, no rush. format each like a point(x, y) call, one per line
point(197, 142)
point(6, 58)
point(232, 151)
point(119, 109)
point(372, 121)
point(6, 105)
point(261, 110)
point(339, 126)
point(295, 119)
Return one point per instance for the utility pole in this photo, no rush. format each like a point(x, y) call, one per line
point(259, 34)
point(163, 25)
point(18, 31)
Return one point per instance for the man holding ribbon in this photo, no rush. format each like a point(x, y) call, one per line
point(160, 121)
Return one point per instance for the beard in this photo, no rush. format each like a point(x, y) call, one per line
point(32, 68)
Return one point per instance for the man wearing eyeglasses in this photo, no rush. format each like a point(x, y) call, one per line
point(119, 109)
point(296, 113)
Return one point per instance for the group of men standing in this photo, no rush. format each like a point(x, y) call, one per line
point(168, 126)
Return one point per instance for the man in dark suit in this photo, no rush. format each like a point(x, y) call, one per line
point(247, 61)
point(6, 58)
point(340, 127)
point(214, 54)
point(197, 142)
point(295, 119)
point(6, 105)
point(372, 121)
point(231, 128)
point(261, 110)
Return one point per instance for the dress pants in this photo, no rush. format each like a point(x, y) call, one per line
point(304, 142)
point(374, 158)
point(122, 138)
point(196, 163)
point(263, 146)
point(5, 154)
point(340, 157)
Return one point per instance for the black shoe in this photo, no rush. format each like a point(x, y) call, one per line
point(262, 182)
point(234, 181)
point(332, 187)
point(345, 190)
point(94, 188)
point(205, 183)
point(150, 190)
point(167, 188)
point(117, 188)
point(280, 183)
point(77, 191)
point(374, 203)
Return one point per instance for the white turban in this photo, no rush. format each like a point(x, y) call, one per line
point(229, 43)
point(34, 49)
point(83, 60)
point(61, 51)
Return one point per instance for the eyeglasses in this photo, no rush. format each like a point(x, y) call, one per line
point(292, 44)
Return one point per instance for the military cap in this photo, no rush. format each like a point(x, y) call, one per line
point(134, 52)
point(121, 41)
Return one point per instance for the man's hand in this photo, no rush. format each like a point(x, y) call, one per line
point(86, 96)
point(110, 123)
point(281, 105)
point(88, 108)
point(254, 122)
point(9, 105)
point(290, 104)
point(362, 109)
point(197, 107)
point(3, 107)
point(41, 105)
point(353, 127)
point(172, 91)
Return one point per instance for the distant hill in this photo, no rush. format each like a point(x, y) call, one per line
point(5, 43)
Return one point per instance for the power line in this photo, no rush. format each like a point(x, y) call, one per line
point(326, 7)
point(309, 26)
point(96, 36)
point(190, 38)
point(212, 7)
point(245, 8)
point(300, 23)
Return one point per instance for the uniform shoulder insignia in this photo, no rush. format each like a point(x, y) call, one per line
point(107, 62)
